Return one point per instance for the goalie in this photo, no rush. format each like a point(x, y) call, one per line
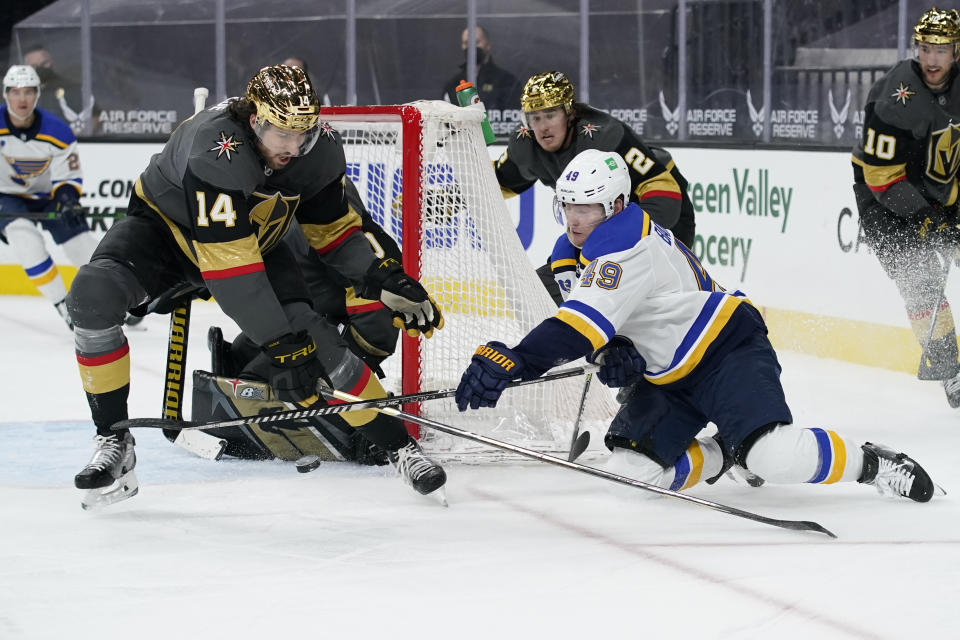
point(649, 313)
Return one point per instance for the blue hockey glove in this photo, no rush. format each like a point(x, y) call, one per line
point(620, 363)
point(491, 368)
point(66, 205)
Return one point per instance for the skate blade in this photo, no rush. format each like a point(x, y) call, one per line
point(122, 489)
point(440, 495)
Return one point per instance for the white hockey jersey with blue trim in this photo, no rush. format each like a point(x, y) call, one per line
point(39, 160)
point(639, 282)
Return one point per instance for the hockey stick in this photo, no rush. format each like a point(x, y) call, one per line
point(579, 444)
point(83, 212)
point(296, 415)
point(925, 370)
point(200, 444)
point(796, 525)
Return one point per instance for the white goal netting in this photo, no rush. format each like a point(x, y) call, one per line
point(425, 175)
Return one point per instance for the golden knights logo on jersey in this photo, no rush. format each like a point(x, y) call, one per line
point(272, 213)
point(226, 146)
point(943, 153)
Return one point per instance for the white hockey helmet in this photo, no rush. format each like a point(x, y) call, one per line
point(20, 76)
point(593, 176)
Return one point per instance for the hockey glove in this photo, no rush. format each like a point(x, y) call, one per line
point(491, 368)
point(294, 368)
point(939, 224)
point(414, 311)
point(66, 205)
point(620, 363)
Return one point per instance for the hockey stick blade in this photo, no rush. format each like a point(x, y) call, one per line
point(579, 446)
point(575, 440)
point(795, 525)
point(296, 415)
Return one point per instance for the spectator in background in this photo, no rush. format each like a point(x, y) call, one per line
point(297, 61)
point(61, 96)
point(499, 89)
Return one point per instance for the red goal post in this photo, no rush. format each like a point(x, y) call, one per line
point(425, 175)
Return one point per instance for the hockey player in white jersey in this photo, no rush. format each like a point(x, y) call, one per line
point(647, 311)
point(42, 174)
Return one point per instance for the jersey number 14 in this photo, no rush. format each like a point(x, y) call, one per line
point(222, 210)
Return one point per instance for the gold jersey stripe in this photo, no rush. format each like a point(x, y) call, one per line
point(221, 256)
point(324, 237)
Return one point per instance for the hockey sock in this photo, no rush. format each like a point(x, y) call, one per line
point(103, 357)
point(27, 241)
point(703, 459)
point(790, 455)
point(80, 248)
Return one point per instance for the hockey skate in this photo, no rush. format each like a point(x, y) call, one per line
point(895, 474)
point(951, 386)
point(419, 471)
point(108, 477)
point(61, 308)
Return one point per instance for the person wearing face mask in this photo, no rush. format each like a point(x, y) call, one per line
point(906, 171)
point(60, 95)
point(210, 211)
point(498, 88)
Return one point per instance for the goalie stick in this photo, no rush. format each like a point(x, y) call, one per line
point(357, 405)
point(796, 525)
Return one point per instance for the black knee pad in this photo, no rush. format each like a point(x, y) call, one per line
point(101, 294)
point(740, 455)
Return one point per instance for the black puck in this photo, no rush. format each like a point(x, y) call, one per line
point(306, 464)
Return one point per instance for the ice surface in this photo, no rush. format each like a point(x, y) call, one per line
point(235, 549)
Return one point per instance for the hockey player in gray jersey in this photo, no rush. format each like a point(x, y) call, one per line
point(651, 315)
point(556, 129)
point(210, 210)
point(905, 180)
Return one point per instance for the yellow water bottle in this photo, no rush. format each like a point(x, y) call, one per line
point(466, 96)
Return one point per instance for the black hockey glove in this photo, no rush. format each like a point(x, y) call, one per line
point(620, 363)
point(294, 368)
point(414, 311)
point(939, 224)
point(491, 368)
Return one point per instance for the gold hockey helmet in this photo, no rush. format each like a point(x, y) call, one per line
point(938, 27)
point(546, 90)
point(284, 97)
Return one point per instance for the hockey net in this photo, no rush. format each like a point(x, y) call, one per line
point(425, 175)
